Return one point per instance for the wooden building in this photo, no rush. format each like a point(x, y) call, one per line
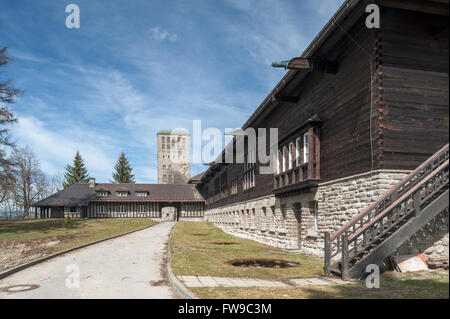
point(158, 201)
point(356, 112)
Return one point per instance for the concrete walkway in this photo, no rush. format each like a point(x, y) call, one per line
point(205, 281)
point(132, 266)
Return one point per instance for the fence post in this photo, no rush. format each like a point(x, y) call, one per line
point(345, 275)
point(327, 254)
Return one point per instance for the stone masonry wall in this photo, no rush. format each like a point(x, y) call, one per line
point(299, 222)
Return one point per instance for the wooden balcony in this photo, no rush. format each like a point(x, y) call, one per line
point(300, 177)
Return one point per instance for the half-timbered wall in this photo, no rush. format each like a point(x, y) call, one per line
point(191, 212)
point(123, 210)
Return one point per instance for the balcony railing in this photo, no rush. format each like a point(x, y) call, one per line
point(296, 177)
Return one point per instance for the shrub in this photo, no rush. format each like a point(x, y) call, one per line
point(68, 222)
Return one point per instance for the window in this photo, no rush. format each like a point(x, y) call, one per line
point(249, 169)
point(122, 208)
point(170, 179)
point(297, 151)
point(278, 162)
point(141, 208)
point(305, 148)
point(101, 209)
point(142, 194)
point(164, 167)
point(290, 156)
point(283, 160)
point(164, 178)
point(216, 186)
point(73, 209)
point(101, 193)
point(224, 183)
point(234, 186)
point(122, 194)
point(173, 142)
point(170, 167)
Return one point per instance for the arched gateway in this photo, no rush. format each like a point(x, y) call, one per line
point(168, 202)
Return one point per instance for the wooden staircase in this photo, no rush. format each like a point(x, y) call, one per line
point(375, 233)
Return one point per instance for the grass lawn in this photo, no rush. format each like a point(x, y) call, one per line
point(197, 249)
point(24, 240)
point(392, 286)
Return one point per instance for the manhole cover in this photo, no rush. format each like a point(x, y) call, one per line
point(20, 288)
point(263, 263)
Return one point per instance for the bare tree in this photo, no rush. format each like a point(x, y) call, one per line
point(54, 184)
point(8, 96)
point(7, 183)
point(31, 183)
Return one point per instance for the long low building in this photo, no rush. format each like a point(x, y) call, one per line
point(106, 200)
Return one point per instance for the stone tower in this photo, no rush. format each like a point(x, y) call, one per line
point(174, 155)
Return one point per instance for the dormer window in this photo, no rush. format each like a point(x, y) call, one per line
point(141, 194)
point(122, 194)
point(102, 193)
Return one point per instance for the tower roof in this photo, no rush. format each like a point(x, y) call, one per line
point(173, 132)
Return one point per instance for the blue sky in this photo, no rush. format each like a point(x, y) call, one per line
point(135, 67)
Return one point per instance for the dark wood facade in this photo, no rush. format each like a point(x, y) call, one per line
point(384, 104)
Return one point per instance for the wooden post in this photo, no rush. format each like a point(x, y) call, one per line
point(416, 204)
point(311, 158)
point(327, 254)
point(345, 258)
point(317, 152)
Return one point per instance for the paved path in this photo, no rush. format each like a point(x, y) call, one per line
point(205, 281)
point(132, 266)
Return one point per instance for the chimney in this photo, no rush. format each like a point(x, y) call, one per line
point(92, 182)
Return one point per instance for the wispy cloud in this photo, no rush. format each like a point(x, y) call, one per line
point(162, 35)
point(111, 85)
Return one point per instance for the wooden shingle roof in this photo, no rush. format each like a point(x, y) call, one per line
point(82, 194)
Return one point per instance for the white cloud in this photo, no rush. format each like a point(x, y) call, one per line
point(162, 35)
point(55, 149)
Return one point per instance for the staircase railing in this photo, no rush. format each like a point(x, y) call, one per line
point(390, 210)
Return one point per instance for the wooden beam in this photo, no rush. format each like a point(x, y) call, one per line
point(300, 64)
point(432, 7)
point(312, 65)
point(283, 98)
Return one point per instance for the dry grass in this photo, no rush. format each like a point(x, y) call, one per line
point(22, 241)
point(195, 252)
point(392, 286)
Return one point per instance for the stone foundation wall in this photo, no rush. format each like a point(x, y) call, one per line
point(300, 221)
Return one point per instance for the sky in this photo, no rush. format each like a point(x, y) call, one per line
point(136, 67)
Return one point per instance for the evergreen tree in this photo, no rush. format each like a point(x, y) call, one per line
point(76, 173)
point(123, 170)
